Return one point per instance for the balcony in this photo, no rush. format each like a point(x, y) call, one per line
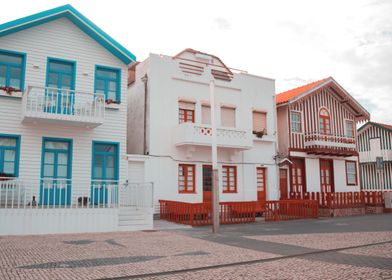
point(200, 135)
point(330, 144)
point(70, 107)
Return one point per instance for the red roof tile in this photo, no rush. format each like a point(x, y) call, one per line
point(287, 95)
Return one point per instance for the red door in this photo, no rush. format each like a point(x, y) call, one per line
point(207, 183)
point(283, 183)
point(260, 182)
point(298, 183)
point(326, 175)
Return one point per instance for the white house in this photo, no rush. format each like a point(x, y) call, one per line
point(375, 156)
point(63, 103)
point(169, 131)
point(317, 137)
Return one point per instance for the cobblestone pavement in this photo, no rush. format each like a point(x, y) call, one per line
point(284, 250)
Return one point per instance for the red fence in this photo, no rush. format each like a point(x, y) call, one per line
point(340, 200)
point(200, 214)
point(279, 210)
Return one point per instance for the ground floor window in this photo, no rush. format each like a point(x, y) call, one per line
point(9, 155)
point(229, 179)
point(186, 178)
point(351, 173)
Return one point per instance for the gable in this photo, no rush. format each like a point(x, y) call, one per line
point(79, 20)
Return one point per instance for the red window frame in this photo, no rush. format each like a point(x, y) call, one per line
point(229, 170)
point(356, 173)
point(186, 115)
point(298, 175)
point(324, 122)
point(300, 121)
point(185, 171)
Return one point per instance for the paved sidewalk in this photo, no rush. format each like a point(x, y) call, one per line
point(108, 255)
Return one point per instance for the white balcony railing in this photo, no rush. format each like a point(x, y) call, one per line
point(200, 135)
point(313, 139)
point(139, 195)
point(62, 105)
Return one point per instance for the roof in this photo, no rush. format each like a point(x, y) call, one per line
point(287, 95)
point(79, 20)
point(380, 125)
point(296, 94)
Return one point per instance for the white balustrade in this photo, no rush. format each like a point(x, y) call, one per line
point(330, 140)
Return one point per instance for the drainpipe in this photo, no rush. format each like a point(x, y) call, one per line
point(145, 80)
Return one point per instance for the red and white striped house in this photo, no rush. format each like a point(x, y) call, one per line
point(317, 138)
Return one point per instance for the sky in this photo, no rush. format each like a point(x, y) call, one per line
point(293, 42)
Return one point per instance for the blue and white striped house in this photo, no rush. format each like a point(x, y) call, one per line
point(63, 107)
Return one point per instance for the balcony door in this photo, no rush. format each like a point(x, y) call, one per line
point(326, 175)
point(56, 184)
point(207, 183)
point(60, 83)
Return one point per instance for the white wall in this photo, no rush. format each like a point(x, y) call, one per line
point(62, 39)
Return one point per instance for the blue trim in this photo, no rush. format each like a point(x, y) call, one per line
point(17, 151)
point(79, 20)
point(47, 198)
point(61, 60)
point(23, 66)
point(118, 80)
point(117, 144)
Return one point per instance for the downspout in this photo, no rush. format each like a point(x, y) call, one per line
point(144, 79)
point(277, 170)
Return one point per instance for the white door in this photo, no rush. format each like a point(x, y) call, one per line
point(136, 172)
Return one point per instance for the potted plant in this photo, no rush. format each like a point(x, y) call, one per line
point(111, 101)
point(259, 134)
point(9, 90)
point(6, 177)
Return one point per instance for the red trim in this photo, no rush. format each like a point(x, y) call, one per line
point(187, 116)
point(230, 189)
point(356, 173)
point(325, 121)
point(187, 188)
point(297, 163)
point(326, 165)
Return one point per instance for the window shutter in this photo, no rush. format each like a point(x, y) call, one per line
point(228, 117)
point(259, 121)
point(205, 114)
point(186, 105)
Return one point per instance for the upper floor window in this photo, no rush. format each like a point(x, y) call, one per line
point(61, 74)
point(205, 114)
point(11, 70)
point(107, 82)
point(324, 121)
point(9, 155)
point(259, 122)
point(186, 112)
point(351, 173)
point(295, 121)
point(229, 179)
point(228, 116)
point(349, 128)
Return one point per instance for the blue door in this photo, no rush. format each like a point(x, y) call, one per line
point(104, 173)
point(56, 184)
point(60, 83)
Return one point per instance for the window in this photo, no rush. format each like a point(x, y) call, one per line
point(12, 70)
point(259, 122)
point(205, 114)
point(186, 112)
point(351, 173)
point(105, 161)
point(186, 178)
point(260, 179)
point(324, 122)
point(228, 116)
point(107, 82)
point(295, 122)
point(349, 128)
point(229, 179)
point(9, 155)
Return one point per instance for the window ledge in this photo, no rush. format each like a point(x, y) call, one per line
point(13, 94)
point(113, 106)
point(265, 138)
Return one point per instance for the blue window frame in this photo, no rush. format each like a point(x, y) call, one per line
point(108, 82)
point(12, 70)
point(56, 171)
point(9, 155)
point(105, 171)
point(60, 79)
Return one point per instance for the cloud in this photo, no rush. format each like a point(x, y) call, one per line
point(222, 23)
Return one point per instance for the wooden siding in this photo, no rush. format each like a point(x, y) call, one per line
point(309, 107)
point(62, 39)
point(371, 132)
point(376, 180)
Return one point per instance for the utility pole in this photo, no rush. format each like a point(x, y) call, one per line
point(214, 157)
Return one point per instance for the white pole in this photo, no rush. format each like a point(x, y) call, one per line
point(214, 151)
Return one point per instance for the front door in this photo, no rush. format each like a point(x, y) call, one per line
point(60, 95)
point(56, 186)
point(283, 183)
point(326, 175)
point(105, 173)
point(207, 183)
point(261, 184)
point(298, 174)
